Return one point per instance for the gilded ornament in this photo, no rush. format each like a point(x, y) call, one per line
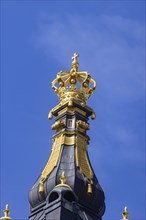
point(68, 140)
point(52, 162)
point(82, 125)
point(89, 190)
point(72, 110)
point(82, 161)
point(93, 116)
point(6, 214)
point(58, 125)
point(63, 179)
point(73, 88)
point(67, 82)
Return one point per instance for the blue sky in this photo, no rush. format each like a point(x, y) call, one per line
point(38, 39)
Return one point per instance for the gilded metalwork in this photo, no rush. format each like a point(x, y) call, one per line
point(74, 61)
point(73, 88)
point(50, 115)
point(81, 125)
point(6, 214)
point(52, 162)
point(93, 116)
point(68, 140)
point(70, 133)
point(72, 110)
point(67, 82)
point(58, 125)
point(82, 161)
point(125, 214)
point(89, 190)
point(63, 179)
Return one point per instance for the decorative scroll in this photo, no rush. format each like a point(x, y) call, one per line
point(82, 125)
point(52, 162)
point(81, 157)
point(58, 125)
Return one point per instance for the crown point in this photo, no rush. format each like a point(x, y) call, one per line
point(74, 58)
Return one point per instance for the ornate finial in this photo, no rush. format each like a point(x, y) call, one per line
point(74, 62)
point(66, 85)
point(6, 214)
point(63, 178)
point(74, 58)
point(125, 214)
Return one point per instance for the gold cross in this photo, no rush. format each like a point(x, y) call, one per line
point(74, 58)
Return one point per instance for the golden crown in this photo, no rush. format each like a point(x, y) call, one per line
point(74, 85)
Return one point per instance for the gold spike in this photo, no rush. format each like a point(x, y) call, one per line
point(63, 178)
point(50, 115)
point(125, 214)
point(6, 214)
point(93, 116)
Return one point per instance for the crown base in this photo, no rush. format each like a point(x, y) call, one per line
point(73, 95)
